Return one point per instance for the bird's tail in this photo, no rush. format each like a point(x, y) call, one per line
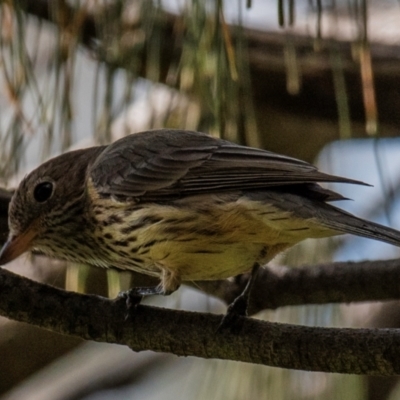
point(348, 223)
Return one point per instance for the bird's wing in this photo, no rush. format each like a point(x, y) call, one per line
point(166, 164)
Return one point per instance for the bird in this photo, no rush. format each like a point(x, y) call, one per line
point(177, 205)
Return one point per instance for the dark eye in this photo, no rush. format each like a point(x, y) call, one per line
point(43, 191)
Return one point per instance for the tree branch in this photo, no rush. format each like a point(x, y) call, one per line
point(340, 282)
point(5, 197)
point(358, 351)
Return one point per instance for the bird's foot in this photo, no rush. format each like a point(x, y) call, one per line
point(237, 309)
point(143, 291)
point(134, 296)
point(131, 301)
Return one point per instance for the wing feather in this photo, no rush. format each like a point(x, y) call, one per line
point(165, 164)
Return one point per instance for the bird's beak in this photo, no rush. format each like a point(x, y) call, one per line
point(16, 245)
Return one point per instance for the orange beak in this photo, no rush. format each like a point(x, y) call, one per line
point(16, 245)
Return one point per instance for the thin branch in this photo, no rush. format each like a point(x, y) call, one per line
point(339, 282)
point(356, 351)
point(5, 197)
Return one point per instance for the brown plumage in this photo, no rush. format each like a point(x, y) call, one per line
point(178, 205)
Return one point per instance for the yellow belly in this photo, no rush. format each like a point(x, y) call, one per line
point(202, 237)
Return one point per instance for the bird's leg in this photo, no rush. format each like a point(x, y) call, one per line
point(134, 295)
point(144, 291)
point(169, 283)
point(239, 306)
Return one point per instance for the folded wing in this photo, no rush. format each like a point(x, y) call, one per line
point(166, 164)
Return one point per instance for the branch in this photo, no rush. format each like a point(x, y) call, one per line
point(357, 351)
point(5, 197)
point(340, 282)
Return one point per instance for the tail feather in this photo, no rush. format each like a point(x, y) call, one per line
point(348, 223)
point(308, 204)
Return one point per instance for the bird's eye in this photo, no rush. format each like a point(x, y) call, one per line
point(43, 191)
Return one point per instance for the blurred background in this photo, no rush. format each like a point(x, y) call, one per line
point(313, 79)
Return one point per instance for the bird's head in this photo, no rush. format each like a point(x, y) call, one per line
point(46, 205)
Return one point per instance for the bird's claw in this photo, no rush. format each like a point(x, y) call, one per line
point(143, 291)
point(135, 295)
point(132, 300)
point(238, 308)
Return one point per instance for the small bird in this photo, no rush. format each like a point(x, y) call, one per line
point(177, 205)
